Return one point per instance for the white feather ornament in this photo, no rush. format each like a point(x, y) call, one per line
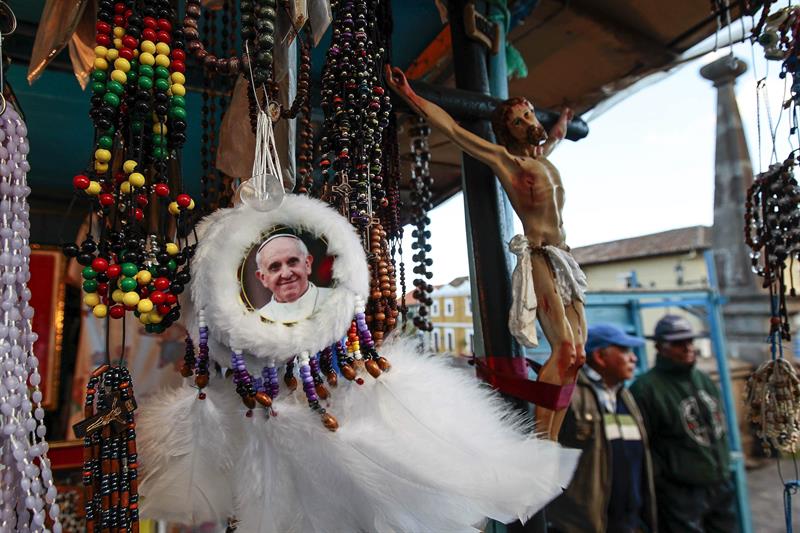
point(424, 447)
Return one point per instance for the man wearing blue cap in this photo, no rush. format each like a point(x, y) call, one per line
point(612, 489)
point(683, 415)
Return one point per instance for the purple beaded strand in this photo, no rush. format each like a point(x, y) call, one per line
point(202, 349)
point(315, 370)
point(308, 381)
point(270, 374)
point(241, 377)
point(365, 336)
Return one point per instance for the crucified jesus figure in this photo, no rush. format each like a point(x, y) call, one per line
point(534, 187)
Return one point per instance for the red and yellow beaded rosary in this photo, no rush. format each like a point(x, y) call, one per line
point(136, 256)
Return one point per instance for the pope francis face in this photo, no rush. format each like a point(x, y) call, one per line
point(284, 265)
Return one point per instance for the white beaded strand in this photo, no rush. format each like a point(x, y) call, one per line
point(27, 492)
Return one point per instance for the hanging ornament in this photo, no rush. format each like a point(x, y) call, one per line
point(27, 492)
point(772, 231)
point(395, 446)
point(773, 403)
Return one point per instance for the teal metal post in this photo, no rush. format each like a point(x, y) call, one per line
point(716, 325)
point(642, 364)
point(498, 85)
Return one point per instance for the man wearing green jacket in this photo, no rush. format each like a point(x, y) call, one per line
point(683, 415)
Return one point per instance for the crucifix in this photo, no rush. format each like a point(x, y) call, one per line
point(534, 187)
point(113, 416)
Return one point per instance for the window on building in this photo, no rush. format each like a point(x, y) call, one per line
point(435, 343)
point(468, 304)
point(470, 342)
point(449, 307)
point(450, 340)
point(435, 307)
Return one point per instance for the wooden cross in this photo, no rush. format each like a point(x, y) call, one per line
point(115, 416)
point(343, 190)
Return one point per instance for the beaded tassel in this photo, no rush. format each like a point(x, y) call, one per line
point(243, 381)
point(288, 376)
point(345, 360)
point(311, 393)
point(322, 392)
point(374, 364)
point(326, 364)
point(189, 360)
point(201, 368)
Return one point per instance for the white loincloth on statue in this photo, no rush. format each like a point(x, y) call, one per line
point(569, 278)
point(426, 447)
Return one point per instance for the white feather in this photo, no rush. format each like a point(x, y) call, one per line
point(186, 450)
point(426, 447)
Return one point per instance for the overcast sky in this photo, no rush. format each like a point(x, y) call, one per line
point(646, 166)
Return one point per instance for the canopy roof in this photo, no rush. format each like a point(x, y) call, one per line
point(579, 52)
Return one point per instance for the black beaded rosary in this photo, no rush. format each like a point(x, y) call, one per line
point(354, 165)
point(772, 231)
point(421, 203)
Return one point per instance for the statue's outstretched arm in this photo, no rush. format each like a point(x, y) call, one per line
point(493, 155)
point(556, 133)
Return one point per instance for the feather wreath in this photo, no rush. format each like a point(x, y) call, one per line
point(423, 447)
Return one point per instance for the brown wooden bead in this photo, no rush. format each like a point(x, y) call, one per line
point(348, 372)
point(186, 371)
point(330, 422)
point(201, 380)
point(249, 401)
point(263, 399)
point(333, 379)
point(290, 381)
point(99, 371)
point(322, 392)
point(373, 368)
point(380, 317)
point(384, 364)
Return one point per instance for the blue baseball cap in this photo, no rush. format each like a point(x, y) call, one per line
point(605, 335)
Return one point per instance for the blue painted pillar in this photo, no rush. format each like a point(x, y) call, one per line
point(718, 341)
